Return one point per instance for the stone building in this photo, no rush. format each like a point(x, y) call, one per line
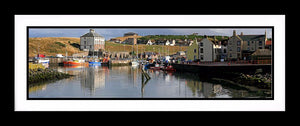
point(206, 50)
point(92, 41)
point(242, 46)
point(131, 38)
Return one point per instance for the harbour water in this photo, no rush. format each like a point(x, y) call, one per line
point(126, 82)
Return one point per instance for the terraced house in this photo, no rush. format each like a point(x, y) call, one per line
point(240, 47)
point(207, 50)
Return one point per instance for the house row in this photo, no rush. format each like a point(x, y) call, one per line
point(237, 47)
point(207, 50)
point(167, 43)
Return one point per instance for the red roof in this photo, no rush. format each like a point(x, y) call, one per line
point(268, 42)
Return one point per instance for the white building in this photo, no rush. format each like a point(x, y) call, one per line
point(92, 41)
point(167, 43)
point(220, 52)
point(173, 43)
point(149, 42)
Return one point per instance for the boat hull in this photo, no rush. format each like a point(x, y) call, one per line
point(94, 63)
point(155, 68)
point(72, 63)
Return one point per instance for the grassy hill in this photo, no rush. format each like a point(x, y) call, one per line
point(50, 46)
point(124, 38)
point(116, 47)
point(177, 37)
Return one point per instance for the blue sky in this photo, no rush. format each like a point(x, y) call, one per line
point(118, 32)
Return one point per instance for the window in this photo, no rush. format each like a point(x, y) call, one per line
point(201, 44)
point(194, 57)
point(230, 55)
point(238, 43)
point(248, 48)
point(248, 43)
point(195, 50)
point(84, 42)
point(224, 50)
point(238, 49)
point(230, 49)
point(260, 47)
point(201, 50)
point(260, 43)
point(201, 57)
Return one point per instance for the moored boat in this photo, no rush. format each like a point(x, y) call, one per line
point(105, 61)
point(134, 63)
point(74, 62)
point(156, 67)
point(170, 68)
point(94, 63)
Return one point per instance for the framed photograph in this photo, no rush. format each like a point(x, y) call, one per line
point(149, 63)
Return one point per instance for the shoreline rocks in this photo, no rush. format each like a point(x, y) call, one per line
point(259, 80)
point(39, 74)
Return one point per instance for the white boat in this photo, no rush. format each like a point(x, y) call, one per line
point(134, 63)
point(43, 60)
point(79, 60)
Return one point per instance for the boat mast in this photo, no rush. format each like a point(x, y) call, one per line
point(38, 55)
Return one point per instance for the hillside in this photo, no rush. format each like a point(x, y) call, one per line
point(178, 37)
point(116, 47)
point(124, 38)
point(50, 46)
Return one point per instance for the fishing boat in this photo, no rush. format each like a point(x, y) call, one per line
point(170, 68)
point(105, 61)
point(156, 67)
point(74, 62)
point(94, 62)
point(40, 59)
point(134, 63)
point(43, 60)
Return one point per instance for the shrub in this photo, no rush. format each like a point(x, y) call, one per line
point(61, 44)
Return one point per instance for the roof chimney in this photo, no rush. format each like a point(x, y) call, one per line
point(266, 33)
point(92, 30)
point(234, 33)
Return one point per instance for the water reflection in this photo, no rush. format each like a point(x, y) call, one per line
point(92, 78)
point(128, 82)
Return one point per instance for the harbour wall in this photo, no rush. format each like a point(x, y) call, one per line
point(221, 69)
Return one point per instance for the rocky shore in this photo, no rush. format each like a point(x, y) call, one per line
point(38, 74)
point(259, 80)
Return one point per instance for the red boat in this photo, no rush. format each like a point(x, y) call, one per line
point(170, 68)
point(74, 62)
point(156, 67)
